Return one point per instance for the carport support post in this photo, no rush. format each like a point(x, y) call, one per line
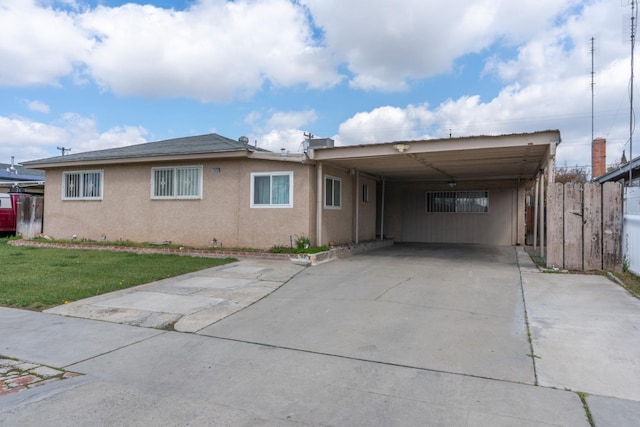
point(382, 212)
point(535, 213)
point(319, 199)
point(542, 214)
point(356, 227)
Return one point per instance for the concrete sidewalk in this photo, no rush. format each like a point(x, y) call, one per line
point(402, 336)
point(189, 302)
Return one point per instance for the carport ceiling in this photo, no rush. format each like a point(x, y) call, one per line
point(453, 159)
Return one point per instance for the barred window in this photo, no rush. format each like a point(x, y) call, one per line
point(82, 185)
point(180, 182)
point(457, 201)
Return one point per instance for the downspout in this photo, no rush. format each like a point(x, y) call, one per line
point(319, 199)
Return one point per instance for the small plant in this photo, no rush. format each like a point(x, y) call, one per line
point(303, 242)
point(625, 264)
point(289, 250)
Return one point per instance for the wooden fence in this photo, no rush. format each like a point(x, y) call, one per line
point(29, 216)
point(584, 226)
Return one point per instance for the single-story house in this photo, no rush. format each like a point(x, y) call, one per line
point(14, 177)
point(211, 190)
point(621, 174)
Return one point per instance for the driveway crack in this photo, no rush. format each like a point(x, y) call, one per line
point(392, 288)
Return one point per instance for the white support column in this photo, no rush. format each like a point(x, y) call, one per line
point(542, 218)
point(535, 212)
point(382, 212)
point(357, 208)
point(319, 201)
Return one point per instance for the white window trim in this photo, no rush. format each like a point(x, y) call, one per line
point(271, 174)
point(175, 183)
point(333, 178)
point(81, 191)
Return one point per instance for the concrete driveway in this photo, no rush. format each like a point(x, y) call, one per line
point(408, 335)
point(451, 309)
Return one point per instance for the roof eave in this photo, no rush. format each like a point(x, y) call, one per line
point(43, 164)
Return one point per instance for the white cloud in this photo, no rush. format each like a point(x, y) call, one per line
point(31, 140)
point(26, 139)
point(213, 51)
point(385, 124)
point(38, 45)
point(83, 134)
point(547, 87)
point(289, 120)
point(275, 140)
point(386, 44)
point(37, 106)
point(280, 129)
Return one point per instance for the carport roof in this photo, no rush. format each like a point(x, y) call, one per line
point(449, 160)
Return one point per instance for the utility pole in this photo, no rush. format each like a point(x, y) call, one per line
point(63, 150)
point(634, 16)
point(593, 84)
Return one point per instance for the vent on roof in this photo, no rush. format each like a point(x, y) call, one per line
point(243, 140)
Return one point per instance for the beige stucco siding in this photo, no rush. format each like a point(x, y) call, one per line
point(407, 221)
point(366, 209)
point(224, 213)
point(338, 224)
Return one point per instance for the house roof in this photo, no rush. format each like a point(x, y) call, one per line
point(19, 173)
point(191, 145)
point(450, 160)
point(622, 172)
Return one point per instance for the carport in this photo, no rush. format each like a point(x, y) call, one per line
point(454, 190)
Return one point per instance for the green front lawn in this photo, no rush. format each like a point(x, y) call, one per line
point(40, 278)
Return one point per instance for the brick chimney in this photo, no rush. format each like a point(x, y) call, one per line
point(598, 157)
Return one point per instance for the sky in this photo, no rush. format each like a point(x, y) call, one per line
point(88, 75)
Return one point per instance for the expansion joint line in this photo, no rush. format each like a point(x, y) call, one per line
point(526, 322)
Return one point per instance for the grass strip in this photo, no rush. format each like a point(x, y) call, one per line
point(39, 278)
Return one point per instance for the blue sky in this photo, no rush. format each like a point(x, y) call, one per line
point(88, 75)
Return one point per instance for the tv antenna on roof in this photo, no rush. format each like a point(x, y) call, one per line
point(63, 150)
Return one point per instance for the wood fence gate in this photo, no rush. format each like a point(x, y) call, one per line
point(584, 226)
point(29, 216)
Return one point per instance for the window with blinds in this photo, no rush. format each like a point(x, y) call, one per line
point(272, 190)
point(457, 201)
point(82, 185)
point(180, 182)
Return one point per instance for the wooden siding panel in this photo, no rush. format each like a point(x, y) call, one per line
point(612, 226)
point(555, 225)
point(573, 226)
point(592, 226)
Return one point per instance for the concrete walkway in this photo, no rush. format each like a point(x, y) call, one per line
point(408, 335)
point(186, 303)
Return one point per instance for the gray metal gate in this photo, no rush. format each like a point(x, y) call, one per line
point(631, 229)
